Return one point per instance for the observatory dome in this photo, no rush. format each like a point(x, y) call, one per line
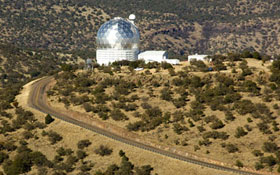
point(119, 34)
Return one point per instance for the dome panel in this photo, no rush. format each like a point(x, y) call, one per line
point(118, 33)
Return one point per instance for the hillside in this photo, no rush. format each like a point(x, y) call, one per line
point(228, 115)
point(32, 143)
point(183, 27)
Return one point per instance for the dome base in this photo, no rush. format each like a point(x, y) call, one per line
point(105, 57)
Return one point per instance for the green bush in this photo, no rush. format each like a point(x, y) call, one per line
point(216, 135)
point(117, 115)
point(244, 107)
point(270, 147)
point(199, 65)
point(83, 144)
point(166, 94)
point(217, 124)
point(81, 154)
point(103, 150)
point(178, 129)
point(135, 126)
point(269, 160)
point(264, 127)
point(205, 142)
point(258, 166)
point(240, 132)
point(257, 153)
point(239, 164)
point(3, 156)
point(54, 137)
point(48, 119)
point(229, 116)
point(103, 115)
point(231, 148)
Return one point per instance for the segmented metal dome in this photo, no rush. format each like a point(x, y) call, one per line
point(118, 33)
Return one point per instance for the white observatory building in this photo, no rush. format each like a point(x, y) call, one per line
point(119, 38)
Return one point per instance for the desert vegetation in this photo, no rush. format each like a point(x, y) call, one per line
point(223, 113)
point(181, 28)
point(21, 130)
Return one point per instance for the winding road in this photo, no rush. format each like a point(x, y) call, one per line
point(37, 100)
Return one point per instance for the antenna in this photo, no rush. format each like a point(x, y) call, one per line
point(131, 18)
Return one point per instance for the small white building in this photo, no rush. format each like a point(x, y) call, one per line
point(197, 57)
point(156, 56)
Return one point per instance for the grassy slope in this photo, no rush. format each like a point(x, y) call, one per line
point(183, 28)
point(254, 140)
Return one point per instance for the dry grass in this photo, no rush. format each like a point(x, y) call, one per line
point(253, 141)
point(72, 134)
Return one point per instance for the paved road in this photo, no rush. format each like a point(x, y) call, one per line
point(37, 101)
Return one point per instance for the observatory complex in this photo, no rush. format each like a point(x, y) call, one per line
point(119, 39)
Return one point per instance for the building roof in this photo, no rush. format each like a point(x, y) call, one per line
point(196, 55)
point(152, 52)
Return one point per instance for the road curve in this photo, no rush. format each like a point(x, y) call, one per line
point(37, 100)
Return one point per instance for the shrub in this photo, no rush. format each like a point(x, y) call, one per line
point(231, 148)
point(216, 135)
point(249, 120)
point(27, 135)
point(258, 166)
point(3, 156)
point(196, 82)
point(166, 94)
point(166, 65)
point(201, 128)
point(153, 112)
point(240, 132)
point(130, 107)
point(248, 128)
point(251, 86)
point(217, 124)
point(21, 164)
point(54, 137)
point(9, 146)
point(146, 105)
point(178, 129)
point(229, 116)
point(244, 107)
point(103, 150)
point(61, 151)
point(103, 115)
point(200, 65)
point(263, 127)
point(269, 160)
point(179, 102)
point(239, 164)
point(135, 126)
point(270, 147)
point(85, 167)
point(48, 119)
point(117, 115)
point(39, 159)
point(81, 154)
point(196, 147)
point(205, 142)
point(257, 153)
point(83, 144)
point(178, 116)
point(144, 170)
point(219, 65)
